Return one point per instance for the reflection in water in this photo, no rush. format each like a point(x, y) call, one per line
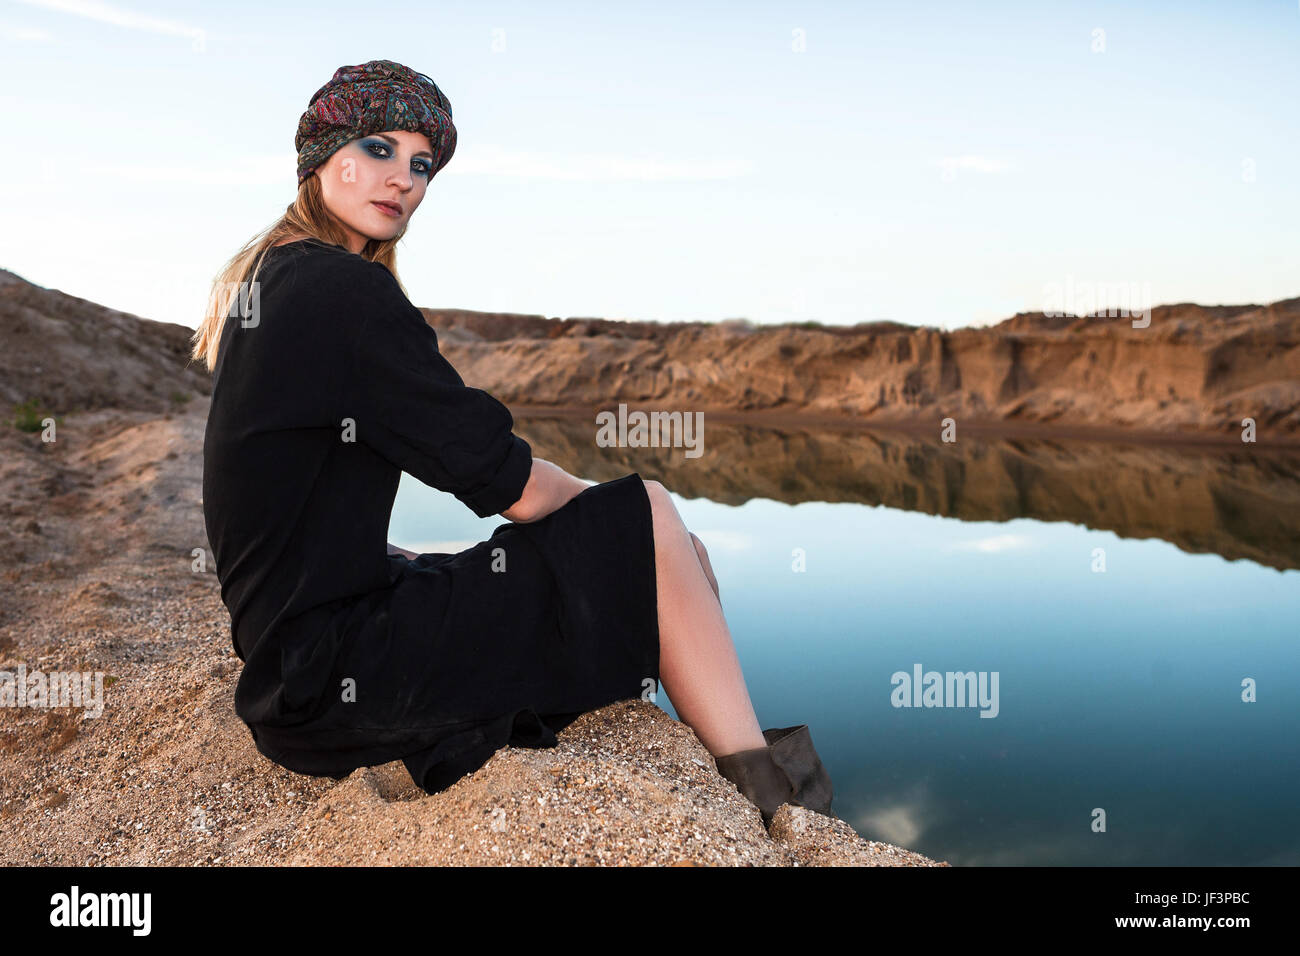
point(1120, 690)
point(1237, 502)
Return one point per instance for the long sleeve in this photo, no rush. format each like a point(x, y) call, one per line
point(412, 407)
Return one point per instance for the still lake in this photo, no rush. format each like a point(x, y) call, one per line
point(1126, 596)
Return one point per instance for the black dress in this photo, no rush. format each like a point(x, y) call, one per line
point(328, 385)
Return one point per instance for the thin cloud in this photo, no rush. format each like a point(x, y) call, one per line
point(484, 161)
point(994, 544)
point(725, 540)
point(107, 13)
point(897, 825)
point(980, 164)
point(240, 171)
point(589, 167)
point(24, 34)
point(902, 819)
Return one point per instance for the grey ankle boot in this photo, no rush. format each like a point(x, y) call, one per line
point(787, 770)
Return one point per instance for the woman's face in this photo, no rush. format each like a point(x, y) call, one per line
point(382, 169)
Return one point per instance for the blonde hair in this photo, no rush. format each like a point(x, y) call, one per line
point(306, 217)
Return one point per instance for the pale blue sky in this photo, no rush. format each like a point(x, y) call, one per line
point(932, 163)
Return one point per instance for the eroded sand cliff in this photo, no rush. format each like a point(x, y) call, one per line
point(1193, 371)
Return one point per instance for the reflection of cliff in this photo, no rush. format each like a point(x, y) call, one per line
point(1233, 502)
point(1196, 369)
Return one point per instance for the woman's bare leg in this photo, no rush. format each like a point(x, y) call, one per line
point(698, 666)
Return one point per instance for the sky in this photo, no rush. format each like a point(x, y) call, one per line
point(942, 164)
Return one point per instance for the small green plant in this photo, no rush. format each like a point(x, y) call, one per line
point(180, 398)
point(28, 416)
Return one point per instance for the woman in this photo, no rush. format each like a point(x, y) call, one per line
point(328, 384)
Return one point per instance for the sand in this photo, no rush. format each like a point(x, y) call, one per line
point(96, 554)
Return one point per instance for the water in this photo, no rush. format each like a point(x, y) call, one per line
point(843, 558)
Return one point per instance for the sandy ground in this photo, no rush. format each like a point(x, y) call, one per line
point(97, 558)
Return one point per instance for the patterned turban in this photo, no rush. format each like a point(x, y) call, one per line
point(372, 98)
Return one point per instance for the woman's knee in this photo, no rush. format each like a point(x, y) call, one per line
point(658, 495)
point(662, 508)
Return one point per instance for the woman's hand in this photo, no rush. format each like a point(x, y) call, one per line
point(549, 488)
